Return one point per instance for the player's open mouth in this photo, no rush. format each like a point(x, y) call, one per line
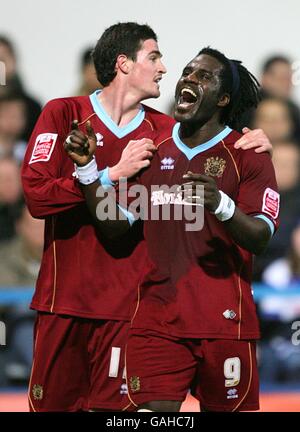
point(186, 99)
point(157, 80)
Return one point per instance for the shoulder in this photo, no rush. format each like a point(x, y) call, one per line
point(158, 118)
point(61, 112)
point(229, 141)
point(246, 160)
point(161, 125)
point(65, 104)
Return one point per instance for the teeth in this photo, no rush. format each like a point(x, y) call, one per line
point(187, 90)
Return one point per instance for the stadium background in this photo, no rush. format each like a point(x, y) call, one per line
point(50, 37)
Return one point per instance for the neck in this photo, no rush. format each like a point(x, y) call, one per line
point(119, 103)
point(193, 135)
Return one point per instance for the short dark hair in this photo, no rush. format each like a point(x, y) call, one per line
point(122, 38)
point(240, 84)
point(274, 59)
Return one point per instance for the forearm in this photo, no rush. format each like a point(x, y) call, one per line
point(108, 218)
point(47, 196)
point(251, 233)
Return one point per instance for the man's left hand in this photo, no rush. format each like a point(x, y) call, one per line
point(191, 193)
point(254, 139)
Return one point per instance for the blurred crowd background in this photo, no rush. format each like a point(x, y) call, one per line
point(276, 272)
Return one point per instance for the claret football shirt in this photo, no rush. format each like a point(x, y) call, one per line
point(81, 274)
point(198, 283)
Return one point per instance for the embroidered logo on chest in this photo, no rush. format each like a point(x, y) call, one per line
point(167, 163)
point(214, 166)
point(99, 137)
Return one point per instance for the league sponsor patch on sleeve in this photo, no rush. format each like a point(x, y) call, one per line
point(271, 203)
point(43, 147)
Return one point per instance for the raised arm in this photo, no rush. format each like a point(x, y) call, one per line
point(110, 219)
point(49, 187)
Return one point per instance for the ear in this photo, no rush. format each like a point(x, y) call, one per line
point(123, 63)
point(224, 100)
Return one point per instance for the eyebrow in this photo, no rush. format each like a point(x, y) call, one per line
point(191, 67)
point(158, 53)
point(206, 71)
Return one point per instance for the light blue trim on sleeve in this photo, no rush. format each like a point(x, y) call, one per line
point(268, 221)
point(104, 178)
point(106, 183)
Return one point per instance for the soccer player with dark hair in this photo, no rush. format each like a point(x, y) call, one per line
point(86, 285)
point(195, 324)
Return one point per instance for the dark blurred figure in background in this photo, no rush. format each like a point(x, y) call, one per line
point(88, 79)
point(12, 125)
point(20, 256)
point(279, 266)
point(10, 196)
point(279, 357)
point(286, 160)
point(20, 260)
point(14, 84)
point(273, 115)
point(279, 117)
point(286, 270)
point(276, 80)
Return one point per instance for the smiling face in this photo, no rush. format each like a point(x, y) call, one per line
point(147, 70)
point(197, 96)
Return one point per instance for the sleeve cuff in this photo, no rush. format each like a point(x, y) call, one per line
point(268, 221)
point(106, 183)
point(104, 178)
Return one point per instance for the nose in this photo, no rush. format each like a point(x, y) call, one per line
point(162, 68)
point(191, 77)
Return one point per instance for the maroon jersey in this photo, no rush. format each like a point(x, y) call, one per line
point(198, 283)
point(80, 274)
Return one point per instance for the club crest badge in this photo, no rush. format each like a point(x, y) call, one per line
point(135, 384)
point(214, 166)
point(37, 392)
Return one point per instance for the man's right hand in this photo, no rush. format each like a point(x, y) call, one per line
point(80, 147)
point(136, 156)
